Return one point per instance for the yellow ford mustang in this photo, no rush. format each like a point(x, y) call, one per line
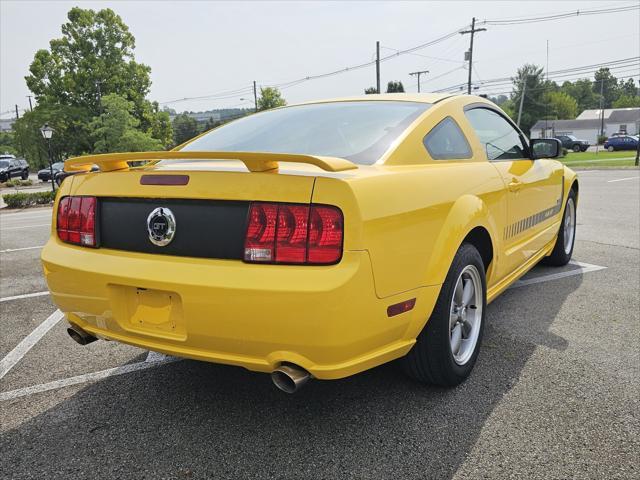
point(315, 240)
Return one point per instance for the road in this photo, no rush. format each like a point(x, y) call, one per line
point(555, 392)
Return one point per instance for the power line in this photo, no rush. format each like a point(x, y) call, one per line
point(559, 16)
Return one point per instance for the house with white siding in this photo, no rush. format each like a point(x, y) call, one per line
point(588, 124)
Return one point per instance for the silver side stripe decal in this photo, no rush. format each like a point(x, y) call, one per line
point(533, 220)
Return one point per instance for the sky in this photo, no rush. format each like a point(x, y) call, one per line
point(202, 48)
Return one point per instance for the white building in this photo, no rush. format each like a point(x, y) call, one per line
point(588, 124)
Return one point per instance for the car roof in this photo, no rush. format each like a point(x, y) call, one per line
point(398, 97)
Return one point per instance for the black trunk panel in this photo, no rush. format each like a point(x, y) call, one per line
point(204, 228)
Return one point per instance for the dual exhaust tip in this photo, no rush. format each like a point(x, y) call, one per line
point(288, 377)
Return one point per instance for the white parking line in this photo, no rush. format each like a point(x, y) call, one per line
point(15, 355)
point(9, 250)
point(584, 268)
point(26, 295)
point(155, 359)
point(28, 226)
point(87, 377)
point(622, 179)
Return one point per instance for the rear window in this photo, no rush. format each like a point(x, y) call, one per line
point(447, 142)
point(357, 131)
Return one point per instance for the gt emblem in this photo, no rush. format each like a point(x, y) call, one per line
point(161, 225)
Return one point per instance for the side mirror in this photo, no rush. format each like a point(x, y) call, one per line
point(545, 148)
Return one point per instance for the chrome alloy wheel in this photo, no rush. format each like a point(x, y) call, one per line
point(465, 314)
point(569, 225)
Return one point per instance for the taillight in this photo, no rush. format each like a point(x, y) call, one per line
point(293, 233)
point(76, 221)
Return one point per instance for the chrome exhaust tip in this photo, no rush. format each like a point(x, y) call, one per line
point(290, 378)
point(80, 336)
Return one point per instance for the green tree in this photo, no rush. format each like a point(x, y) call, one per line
point(395, 87)
point(626, 101)
point(270, 97)
point(370, 90)
point(628, 88)
point(561, 105)
point(93, 59)
point(582, 91)
point(184, 128)
point(533, 106)
point(7, 143)
point(116, 129)
point(608, 84)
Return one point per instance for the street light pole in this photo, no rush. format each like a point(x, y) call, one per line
point(47, 133)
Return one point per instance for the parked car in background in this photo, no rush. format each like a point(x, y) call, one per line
point(626, 142)
point(45, 173)
point(10, 167)
point(570, 142)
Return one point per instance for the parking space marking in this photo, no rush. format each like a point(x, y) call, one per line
point(583, 268)
point(25, 295)
point(29, 226)
point(9, 250)
point(156, 359)
point(621, 179)
point(87, 377)
point(15, 355)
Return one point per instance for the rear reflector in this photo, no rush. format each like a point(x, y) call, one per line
point(294, 233)
point(76, 220)
point(401, 307)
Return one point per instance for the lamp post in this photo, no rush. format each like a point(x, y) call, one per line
point(47, 133)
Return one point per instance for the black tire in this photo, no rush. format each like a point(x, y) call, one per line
point(25, 175)
point(576, 148)
point(431, 359)
point(610, 148)
point(560, 255)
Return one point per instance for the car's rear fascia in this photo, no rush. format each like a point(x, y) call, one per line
point(326, 319)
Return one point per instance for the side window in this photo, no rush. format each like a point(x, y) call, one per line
point(500, 140)
point(446, 141)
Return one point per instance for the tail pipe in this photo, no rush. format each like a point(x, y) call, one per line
point(80, 336)
point(290, 378)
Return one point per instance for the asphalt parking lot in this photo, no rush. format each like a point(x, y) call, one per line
point(555, 393)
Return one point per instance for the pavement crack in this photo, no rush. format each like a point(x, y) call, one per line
point(609, 244)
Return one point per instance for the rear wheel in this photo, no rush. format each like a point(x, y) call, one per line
point(446, 349)
point(563, 249)
point(610, 148)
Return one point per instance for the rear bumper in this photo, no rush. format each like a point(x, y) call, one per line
point(325, 319)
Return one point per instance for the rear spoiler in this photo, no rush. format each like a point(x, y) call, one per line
point(254, 161)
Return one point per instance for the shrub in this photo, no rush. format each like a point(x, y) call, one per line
point(602, 139)
point(563, 152)
point(18, 183)
point(22, 199)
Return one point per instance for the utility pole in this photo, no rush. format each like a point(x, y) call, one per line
point(255, 96)
point(30, 105)
point(472, 32)
point(602, 107)
point(418, 74)
point(17, 116)
point(378, 67)
point(524, 89)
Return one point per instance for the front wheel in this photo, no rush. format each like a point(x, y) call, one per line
point(576, 148)
point(25, 175)
point(610, 148)
point(447, 348)
point(563, 249)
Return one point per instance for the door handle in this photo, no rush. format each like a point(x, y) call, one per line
point(515, 185)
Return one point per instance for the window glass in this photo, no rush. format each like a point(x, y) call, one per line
point(500, 139)
point(446, 141)
point(358, 131)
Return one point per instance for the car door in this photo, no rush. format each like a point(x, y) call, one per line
point(534, 188)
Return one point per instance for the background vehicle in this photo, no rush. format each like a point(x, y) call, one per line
point(11, 167)
point(626, 142)
point(45, 173)
point(572, 143)
point(383, 233)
